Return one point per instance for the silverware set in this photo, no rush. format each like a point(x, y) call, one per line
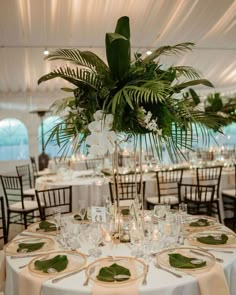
point(157, 265)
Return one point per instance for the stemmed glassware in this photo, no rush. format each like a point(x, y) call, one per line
point(82, 209)
point(95, 236)
point(57, 218)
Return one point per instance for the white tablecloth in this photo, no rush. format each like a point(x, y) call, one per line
point(159, 282)
point(85, 187)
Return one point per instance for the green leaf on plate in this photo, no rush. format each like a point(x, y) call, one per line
point(46, 226)
point(30, 247)
point(107, 274)
point(213, 240)
point(179, 261)
point(59, 263)
point(200, 223)
point(125, 211)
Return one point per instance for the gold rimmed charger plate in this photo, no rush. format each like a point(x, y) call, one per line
point(163, 258)
point(231, 242)
point(212, 222)
point(11, 247)
point(76, 261)
point(136, 267)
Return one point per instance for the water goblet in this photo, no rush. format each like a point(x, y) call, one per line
point(82, 209)
point(95, 236)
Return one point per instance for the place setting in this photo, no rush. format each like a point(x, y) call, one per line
point(29, 245)
point(186, 260)
point(199, 223)
point(213, 239)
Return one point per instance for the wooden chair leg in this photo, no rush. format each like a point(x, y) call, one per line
point(218, 210)
point(8, 224)
point(25, 221)
point(234, 221)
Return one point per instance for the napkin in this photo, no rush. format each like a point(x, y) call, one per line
point(29, 282)
point(2, 270)
point(212, 281)
point(131, 289)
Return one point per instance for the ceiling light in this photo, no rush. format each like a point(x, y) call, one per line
point(46, 51)
point(149, 52)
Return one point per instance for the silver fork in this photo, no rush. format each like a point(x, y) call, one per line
point(144, 282)
point(157, 265)
point(91, 271)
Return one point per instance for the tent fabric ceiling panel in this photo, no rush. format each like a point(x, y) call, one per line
point(29, 26)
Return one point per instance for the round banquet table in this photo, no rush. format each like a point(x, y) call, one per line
point(159, 282)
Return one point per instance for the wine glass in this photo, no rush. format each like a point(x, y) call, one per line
point(82, 208)
point(136, 239)
point(95, 236)
point(57, 218)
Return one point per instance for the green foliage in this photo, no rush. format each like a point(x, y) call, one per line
point(127, 89)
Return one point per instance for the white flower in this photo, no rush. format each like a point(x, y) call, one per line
point(152, 125)
point(95, 126)
point(108, 121)
point(98, 115)
point(102, 138)
point(147, 118)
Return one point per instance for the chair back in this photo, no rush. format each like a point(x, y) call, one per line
point(167, 182)
point(50, 199)
point(34, 165)
point(127, 186)
point(198, 197)
point(13, 189)
point(24, 171)
point(3, 229)
point(94, 163)
point(210, 176)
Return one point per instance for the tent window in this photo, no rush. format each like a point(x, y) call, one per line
point(51, 149)
point(14, 142)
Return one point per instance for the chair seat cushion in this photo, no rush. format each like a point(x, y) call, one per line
point(29, 205)
point(172, 200)
point(229, 193)
point(29, 192)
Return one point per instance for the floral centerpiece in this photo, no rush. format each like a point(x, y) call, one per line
point(136, 95)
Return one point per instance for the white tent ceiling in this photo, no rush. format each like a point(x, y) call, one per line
point(29, 26)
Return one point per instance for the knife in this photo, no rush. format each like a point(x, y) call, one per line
point(205, 255)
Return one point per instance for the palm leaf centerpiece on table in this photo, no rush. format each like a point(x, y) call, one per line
point(134, 95)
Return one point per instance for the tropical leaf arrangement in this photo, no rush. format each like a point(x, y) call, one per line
point(215, 103)
point(143, 98)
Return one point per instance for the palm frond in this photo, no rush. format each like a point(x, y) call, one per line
point(59, 106)
point(151, 91)
point(188, 72)
point(179, 87)
point(168, 50)
point(86, 59)
point(75, 76)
